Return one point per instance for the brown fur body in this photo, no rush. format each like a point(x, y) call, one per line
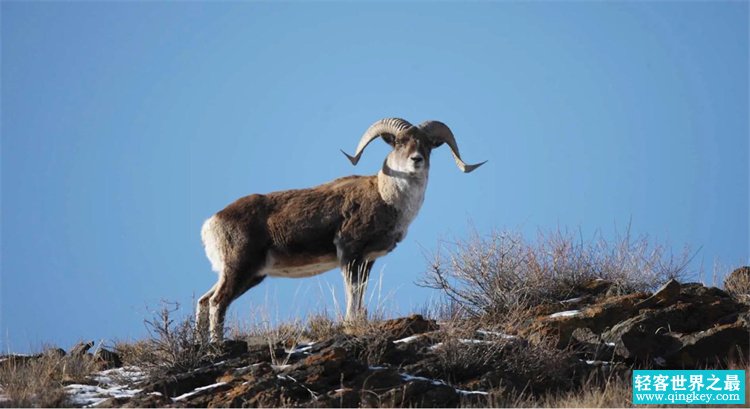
point(297, 227)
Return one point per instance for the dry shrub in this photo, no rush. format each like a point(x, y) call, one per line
point(492, 276)
point(39, 381)
point(172, 347)
point(738, 282)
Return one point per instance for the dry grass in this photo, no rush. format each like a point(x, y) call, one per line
point(39, 381)
point(492, 277)
point(614, 393)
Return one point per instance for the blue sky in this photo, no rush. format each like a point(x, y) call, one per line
point(125, 125)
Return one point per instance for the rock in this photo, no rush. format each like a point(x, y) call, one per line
point(269, 390)
point(233, 349)
point(179, 384)
point(403, 327)
point(595, 287)
point(322, 371)
point(738, 282)
point(597, 318)
point(379, 379)
point(81, 348)
point(589, 346)
point(144, 400)
point(681, 318)
point(116, 403)
point(666, 295)
point(656, 332)
point(642, 346)
point(54, 353)
point(107, 359)
point(348, 398)
point(698, 293)
point(713, 347)
point(421, 393)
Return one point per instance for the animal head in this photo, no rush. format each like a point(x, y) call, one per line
point(411, 145)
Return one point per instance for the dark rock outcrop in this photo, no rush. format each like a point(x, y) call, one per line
point(411, 361)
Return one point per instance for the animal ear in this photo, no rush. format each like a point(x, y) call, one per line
point(390, 139)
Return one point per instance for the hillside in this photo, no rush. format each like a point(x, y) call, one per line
point(574, 352)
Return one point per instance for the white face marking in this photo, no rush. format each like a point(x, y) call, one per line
point(402, 163)
point(406, 193)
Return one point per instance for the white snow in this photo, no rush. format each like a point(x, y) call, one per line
point(92, 395)
point(474, 341)
point(301, 348)
point(3, 396)
point(571, 313)
point(465, 392)
point(108, 386)
point(408, 339)
point(497, 334)
point(129, 374)
point(408, 378)
point(572, 300)
point(198, 390)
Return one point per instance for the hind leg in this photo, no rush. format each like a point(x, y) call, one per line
point(232, 283)
point(201, 314)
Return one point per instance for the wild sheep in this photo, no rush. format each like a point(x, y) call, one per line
point(346, 223)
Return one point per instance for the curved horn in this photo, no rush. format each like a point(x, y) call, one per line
point(387, 126)
point(439, 132)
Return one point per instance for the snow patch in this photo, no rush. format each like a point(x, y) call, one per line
point(3, 396)
point(496, 334)
point(571, 313)
point(408, 339)
point(280, 367)
point(465, 392)
point(92, 395)
point(301, 348)
point(438, 382)
point(474, 341)
point(109, 386)
point(198, 390)
point(593, 362)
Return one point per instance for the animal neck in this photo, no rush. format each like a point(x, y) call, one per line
point(403, 190)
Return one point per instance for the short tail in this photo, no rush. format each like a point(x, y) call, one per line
point(215, 243)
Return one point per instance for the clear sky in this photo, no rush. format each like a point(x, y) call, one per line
point(125, 125)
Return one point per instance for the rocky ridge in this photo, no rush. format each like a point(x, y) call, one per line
point(413, 361)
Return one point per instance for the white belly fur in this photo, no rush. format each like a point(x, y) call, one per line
point(308, 270)
point(281, 269)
